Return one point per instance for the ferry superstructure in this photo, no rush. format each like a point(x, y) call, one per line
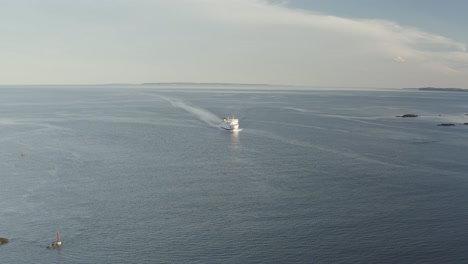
point(231, 124)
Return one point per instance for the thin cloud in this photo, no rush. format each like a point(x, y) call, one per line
point(399, 59)
point(244, 41)
point(326, 39)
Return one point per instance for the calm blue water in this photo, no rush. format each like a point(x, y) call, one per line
point(144, 176)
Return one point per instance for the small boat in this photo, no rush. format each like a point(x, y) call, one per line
point(231, 124)
point(56, 244)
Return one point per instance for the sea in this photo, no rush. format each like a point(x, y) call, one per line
point(144, 174)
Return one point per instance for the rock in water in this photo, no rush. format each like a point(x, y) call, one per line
point(3, 240)
point(446, 124)
point(409, 115)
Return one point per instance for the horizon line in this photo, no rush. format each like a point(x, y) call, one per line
point(222, 83)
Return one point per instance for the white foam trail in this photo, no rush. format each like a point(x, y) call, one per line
point(302, 110)
point(350, 155)
point(202, 114)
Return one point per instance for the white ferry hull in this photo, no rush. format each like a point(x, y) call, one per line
point(232, 129)
point(230, 124)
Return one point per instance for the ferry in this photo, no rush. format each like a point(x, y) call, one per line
point(231, 124)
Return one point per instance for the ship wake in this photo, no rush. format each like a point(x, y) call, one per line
point(202, 114)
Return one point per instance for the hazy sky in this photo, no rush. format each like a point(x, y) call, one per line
point(349, 43)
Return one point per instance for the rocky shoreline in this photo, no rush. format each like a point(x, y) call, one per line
point(441, 124)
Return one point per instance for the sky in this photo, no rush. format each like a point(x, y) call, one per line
point(320, 43)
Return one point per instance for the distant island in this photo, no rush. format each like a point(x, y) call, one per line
point(443, 89)
point(211, 84)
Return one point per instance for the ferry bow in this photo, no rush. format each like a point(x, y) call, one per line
point(231, 124)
